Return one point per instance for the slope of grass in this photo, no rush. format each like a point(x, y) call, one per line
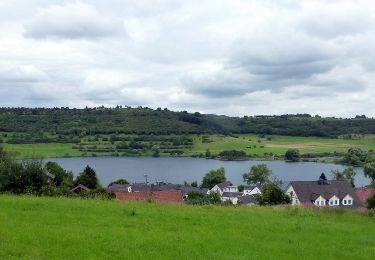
point(50, 228)
point(42, 150)
point(250, 143)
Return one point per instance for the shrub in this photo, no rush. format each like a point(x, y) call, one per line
point(292, 155)
point(371, 202)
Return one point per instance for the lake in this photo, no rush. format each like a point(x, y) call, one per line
point(180, 169)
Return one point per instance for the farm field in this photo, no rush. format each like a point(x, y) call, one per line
point(62, 228)
point(188, 145)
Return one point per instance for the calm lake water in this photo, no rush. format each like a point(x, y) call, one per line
point(178, 170)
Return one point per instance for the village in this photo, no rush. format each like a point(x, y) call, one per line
point(318, 193)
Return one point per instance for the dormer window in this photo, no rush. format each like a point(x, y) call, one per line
point(347, 200)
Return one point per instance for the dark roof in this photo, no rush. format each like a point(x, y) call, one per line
point(248, 199)
point(224, 184)
point(311, 190)
point(186, 189)
point(161, 186)
point(118, 187)
point(232, 194)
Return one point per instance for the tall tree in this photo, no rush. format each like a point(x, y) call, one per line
point(369, 170)
point(259, 174)
point(88, 178)
point(273, 194)
point(62, 177)
point(213, 177)
point(348, 175)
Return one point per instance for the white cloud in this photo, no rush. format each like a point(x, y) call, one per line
point(217, 56)
point(73, 20)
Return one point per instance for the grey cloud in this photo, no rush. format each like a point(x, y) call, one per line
point(73, 21)
point(256, 56)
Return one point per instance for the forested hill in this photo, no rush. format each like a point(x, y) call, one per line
point(91, 121)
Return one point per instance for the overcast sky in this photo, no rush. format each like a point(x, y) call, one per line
point(213, 56)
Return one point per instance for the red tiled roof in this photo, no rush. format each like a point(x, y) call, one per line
point(364, 193)
point(158, 196)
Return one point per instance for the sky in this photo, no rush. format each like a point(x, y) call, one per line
point(232, 57)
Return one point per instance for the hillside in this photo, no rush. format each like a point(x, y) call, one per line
point(64, 125)
point(49, 228)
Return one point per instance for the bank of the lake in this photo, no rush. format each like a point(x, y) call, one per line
point(180, 169)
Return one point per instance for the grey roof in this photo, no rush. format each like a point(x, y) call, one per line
point(308, 191)
point(248, 199)
point(224, 184)
point(161, 186)
point(186, 189)
point(232, 194)
point(118, 187)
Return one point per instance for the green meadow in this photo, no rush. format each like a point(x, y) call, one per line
point(62, 228)
point(250, 143)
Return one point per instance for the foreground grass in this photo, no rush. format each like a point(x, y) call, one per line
point(250, 143)
point(47, 228)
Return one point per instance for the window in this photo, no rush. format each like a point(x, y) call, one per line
point(350, 202)
point(331, 202)
point(344, 202)
point(337, 202)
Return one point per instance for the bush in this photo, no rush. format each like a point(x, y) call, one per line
point(232, 155)
point(88, 178)
point(99, 193)
point(119, 181)
point(292, 155)
point(371, 202)
point(273, 195)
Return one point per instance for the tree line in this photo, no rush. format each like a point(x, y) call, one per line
point(43, 123)
point(36, 178)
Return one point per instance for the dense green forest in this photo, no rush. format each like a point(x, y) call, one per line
point(43, 125)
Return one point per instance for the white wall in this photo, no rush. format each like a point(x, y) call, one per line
point(334, 201)
point(347, 200)
point(320, 201)
point(217, 189)
point(293, 196)
point(254, 191)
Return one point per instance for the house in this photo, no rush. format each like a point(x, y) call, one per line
point(226, 186)
point(252, 190)
point(364, 193)
point(248, 200)
point(120, 187)
point(233, 197)
point(80, 188)
point(157, 196)
point(186, 189)
point(323, 193)
point(143, 187)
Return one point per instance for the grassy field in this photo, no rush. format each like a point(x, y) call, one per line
point(251, 144)
point(51, 228)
